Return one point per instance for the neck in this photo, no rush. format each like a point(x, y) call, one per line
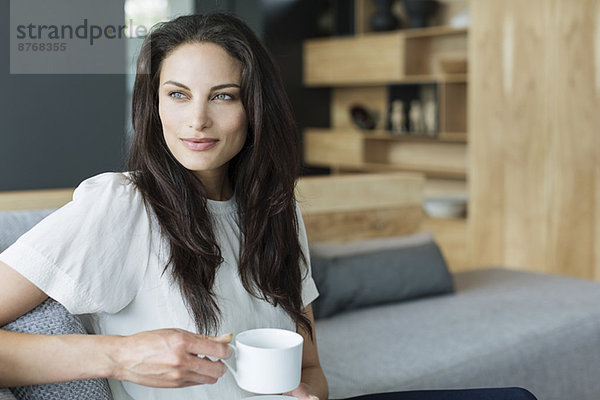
point(217, 187)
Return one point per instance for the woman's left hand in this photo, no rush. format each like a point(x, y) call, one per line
point(303, 392)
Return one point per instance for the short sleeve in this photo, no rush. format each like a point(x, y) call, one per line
point(90, 255)
point(309, 288)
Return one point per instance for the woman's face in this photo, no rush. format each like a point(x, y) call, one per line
point(204, 122)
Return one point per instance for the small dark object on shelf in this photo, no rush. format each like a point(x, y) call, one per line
point(419, 11)
point(384, 19)
point(362, 117)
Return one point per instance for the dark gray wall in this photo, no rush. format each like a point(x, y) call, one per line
point(57, 130)
point(251, 11)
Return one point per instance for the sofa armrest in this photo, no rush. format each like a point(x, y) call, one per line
point(51, 318)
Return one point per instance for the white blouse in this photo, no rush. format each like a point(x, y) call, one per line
point(102, 254)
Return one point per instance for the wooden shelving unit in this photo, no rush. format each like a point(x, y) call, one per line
point(369, 69)
point(360, 69)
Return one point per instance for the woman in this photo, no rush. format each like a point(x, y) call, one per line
point(203, 235)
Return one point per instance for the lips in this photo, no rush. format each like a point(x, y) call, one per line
point(199, 144)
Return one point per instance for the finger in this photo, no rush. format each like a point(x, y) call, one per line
point(204, 367)
point(207, 347)
point(194, 371)
point(221, 339)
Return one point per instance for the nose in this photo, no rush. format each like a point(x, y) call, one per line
point(200, 119)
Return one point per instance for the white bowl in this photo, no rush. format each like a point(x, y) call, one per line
point(446, 207)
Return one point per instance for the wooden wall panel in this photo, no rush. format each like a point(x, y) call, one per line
point(575, 154)
point(534, 126)
point(526, 61)
point(485, 225)
point(510, 132)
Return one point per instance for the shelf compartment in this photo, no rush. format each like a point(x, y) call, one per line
point(431, 157)
point(451, 109)
point(350, 60)
point(426, 52)
point(388, 136)
point(446, 188)
point(326, 147)
point(341, 148)
point(374, 98)
point(378, 58)
point(453, 112)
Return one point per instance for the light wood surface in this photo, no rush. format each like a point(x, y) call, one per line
point(453, 108)
point(361, 206)
point(360, 192)
point(349, 207)
point(355, 149)
point(426, 52)
point(382, 57)
point(434, 156)
point(365, 59)
point(534, 135)
point(435, 188)
point(388, 136)
point(451, 236)
point(34, 199)
point(372, 167)
point(333, 147)
point(576, 153)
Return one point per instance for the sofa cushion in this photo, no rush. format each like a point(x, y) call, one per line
point(370, 272)
point(16, 223)
point(52, 318)
point(6, 394)
point(500, 328)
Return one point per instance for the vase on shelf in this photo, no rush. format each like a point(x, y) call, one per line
point(419, 11)
point(384, 19)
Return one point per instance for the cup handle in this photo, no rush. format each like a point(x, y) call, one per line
point(228, 362)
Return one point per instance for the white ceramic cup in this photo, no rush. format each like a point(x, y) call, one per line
point(267, 361)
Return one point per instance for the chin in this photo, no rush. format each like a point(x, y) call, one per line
point(199, 168)
point(197, 165)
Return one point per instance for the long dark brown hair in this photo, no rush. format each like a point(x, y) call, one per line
point(263, 175)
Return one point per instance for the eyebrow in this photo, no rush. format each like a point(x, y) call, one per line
point(217, 87)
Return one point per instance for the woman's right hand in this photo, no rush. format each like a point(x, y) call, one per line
point(169, 358)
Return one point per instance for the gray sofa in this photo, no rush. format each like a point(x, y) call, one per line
point(500, 328)
point(497, 328)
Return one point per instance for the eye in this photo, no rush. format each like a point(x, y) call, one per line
point(223, 96)
point(177, 95)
